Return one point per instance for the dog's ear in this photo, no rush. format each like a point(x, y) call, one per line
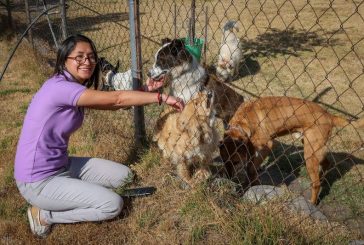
point(177, 45)
point(165, 40)
point(101, 61)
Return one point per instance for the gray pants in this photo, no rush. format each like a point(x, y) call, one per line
point(80, 192)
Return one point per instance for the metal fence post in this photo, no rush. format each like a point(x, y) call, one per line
point(63, 19)
point(135, 44)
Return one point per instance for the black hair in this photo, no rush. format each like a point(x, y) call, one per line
point(67, 46)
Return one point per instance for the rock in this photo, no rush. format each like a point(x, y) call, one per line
point(356, 242)
point(300, 204)
point(262, 193)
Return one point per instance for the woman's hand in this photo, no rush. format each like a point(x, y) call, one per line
point(176, 103)
point(152, 85)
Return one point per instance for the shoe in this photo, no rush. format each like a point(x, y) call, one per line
point(34, 220)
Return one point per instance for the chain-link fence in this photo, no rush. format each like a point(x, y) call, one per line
point(311, 50)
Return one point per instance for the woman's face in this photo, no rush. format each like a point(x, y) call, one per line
point(81, 62)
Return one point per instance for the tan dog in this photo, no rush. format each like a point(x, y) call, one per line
point(259, 122)
point(189, 139)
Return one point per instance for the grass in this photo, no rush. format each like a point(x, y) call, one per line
point(12, 91)
point(298, 58)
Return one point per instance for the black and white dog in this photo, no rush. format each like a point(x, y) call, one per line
point(112, 79)
point(187, 77)
point(183, 71)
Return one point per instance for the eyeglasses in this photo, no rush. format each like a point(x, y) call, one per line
point(80, 59)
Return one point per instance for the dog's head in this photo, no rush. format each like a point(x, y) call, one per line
point(172, 54)
point(225, 69)
point(235, 155)
point(239, 131)
point(106, 66)
point(230, 26)
point(107, 70)
point(235, 151)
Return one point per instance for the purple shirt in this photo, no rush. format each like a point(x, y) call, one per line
point(51, 118)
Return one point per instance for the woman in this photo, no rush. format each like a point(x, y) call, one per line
point(63, 189)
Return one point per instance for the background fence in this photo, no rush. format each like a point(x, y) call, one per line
point(306, 49)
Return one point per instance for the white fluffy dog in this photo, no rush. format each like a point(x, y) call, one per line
point(230, 54)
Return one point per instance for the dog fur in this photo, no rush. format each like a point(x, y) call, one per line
point(183, 71)
point(235, 155)
point(230, 55)
point(187, 77)
point(107, 70)
point(189, 139)
point(112, 79)
point(259, 122)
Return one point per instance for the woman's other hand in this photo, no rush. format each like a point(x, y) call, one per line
point(153, 85)
point(176, 103)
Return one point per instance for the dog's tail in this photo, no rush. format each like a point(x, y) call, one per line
point(342, 122)
point(231, 25)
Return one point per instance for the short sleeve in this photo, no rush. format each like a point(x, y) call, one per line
point(66, 93)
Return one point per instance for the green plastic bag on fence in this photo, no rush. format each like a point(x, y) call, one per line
point(196, 48)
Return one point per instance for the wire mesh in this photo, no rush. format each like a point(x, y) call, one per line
point(306, 49)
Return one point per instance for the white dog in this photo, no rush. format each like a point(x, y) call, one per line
point(230, 54)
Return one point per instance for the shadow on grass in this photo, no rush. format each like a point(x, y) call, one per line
point(290, 41)
point(275, 42)
point(284, 166)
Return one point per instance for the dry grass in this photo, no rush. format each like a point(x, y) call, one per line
point(297, 57)
point(171, 216)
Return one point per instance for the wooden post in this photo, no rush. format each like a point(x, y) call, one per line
point(136, 58)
